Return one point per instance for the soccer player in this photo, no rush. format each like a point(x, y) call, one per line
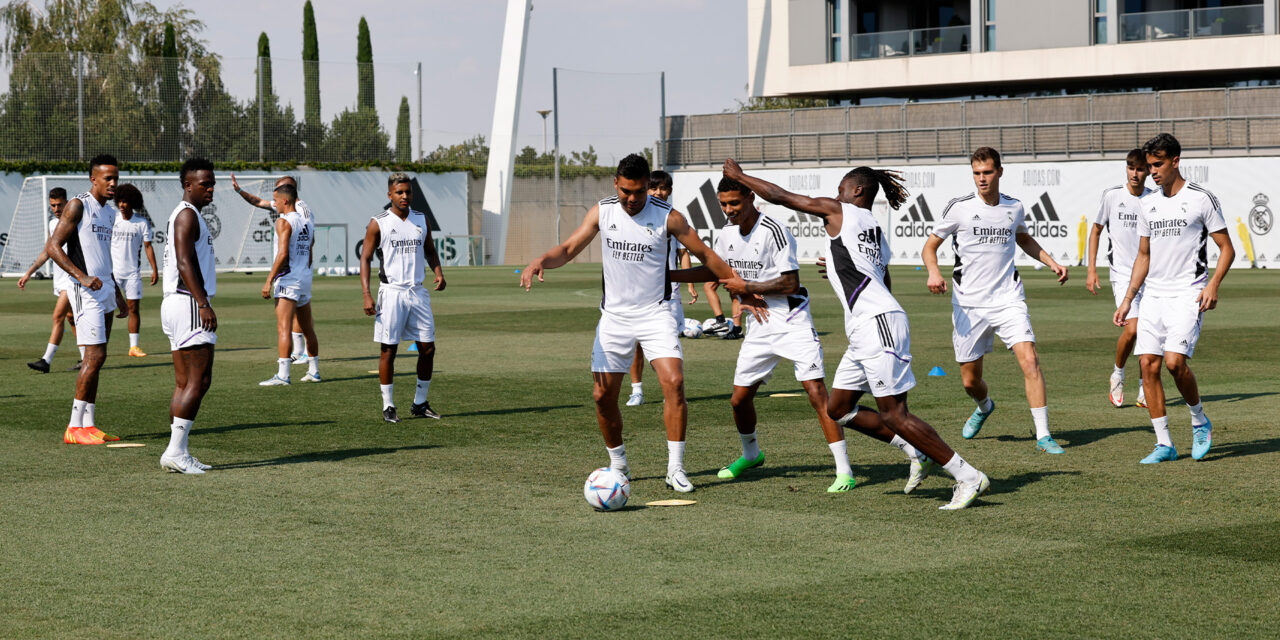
point(289, 280)
point(85, 229)
point(636, 229)
point(660, 187)
point(878, 359)
point(1118, 214)
point(61, 285)
point(405, 250)
point(987, 299)
point(186, 314)
point(763, 252)
point(129, 236)
point(306, 346)
point(1173, 224)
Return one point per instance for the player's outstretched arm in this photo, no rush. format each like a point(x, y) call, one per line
point(714, 269)
point(1226, 255)
point(785, 284)
point(821, 207)
point(1091, 280)
point(1141, 263)
point(372, 236)
point(151, 258)
point(1033, 249)
point(284, 231)
point(936, 283)
point(185, 230)
point(67, 223)
point(249, 197)
point(562, 253)
point(39, 262)
point(433, 261)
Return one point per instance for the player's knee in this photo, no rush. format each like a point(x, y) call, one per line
point(740, 402)
point(426, 349)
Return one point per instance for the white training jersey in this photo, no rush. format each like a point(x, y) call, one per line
point(1118, 213)
point(767, 251)
point(676, 247)
point(857, 260)
point(984, 238)
point(402, 248)
point(204, 267)
point(297, 269)
point(299, 206)
point(61, 281)
point(90, 246)
point(1179, 228)
point(636, 254)
point(127, 237)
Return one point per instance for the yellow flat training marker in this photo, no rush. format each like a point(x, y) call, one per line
point(125, 445)
point(374, 371)
point(785, 395)
point(670, 503)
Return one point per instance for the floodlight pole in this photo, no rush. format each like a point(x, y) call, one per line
point(659, 155)
point(418, 72)
point(544, 113)
point(555, 112)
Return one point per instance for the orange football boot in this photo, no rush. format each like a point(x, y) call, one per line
point(79, 435)
point(101, 434)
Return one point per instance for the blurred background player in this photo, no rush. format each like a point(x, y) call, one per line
point(1118, 214)
point(878, 359)
point(129, 237)
point(186, 315)
point(660, 187)
point(84, 228)
point(763, 252)
point(1171, 272)
point(405, 250)
point(988, 298)
point(301, 328)
point(289, 282)
point(61, 284)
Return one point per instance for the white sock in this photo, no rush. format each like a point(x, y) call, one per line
point(1142, 395)
point(840, 451)
point(88, 419)
point(1040, 415)
point(282, 367)
point(906, 447)
point(1197, 414)
point(82, 352)
point(1118, 372)
point(420, 392)
point(77, 413)
point(299, 343)
point(637, 387)
point(133, 340)
point(178, 432)
point(848, 417)
point(985, 405)
point(386, 395)
point(617, 457)
point(49, 351)
point(961, 470)
point(750, 447)
point(1161, 426)
point(313, 365)
point(675, 455)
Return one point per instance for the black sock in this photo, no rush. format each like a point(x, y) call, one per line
point(720, 318)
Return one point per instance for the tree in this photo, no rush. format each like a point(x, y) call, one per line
point(356, 136)
point(312, 127)
point(588, 158)
point(473, 152)
point(404, 139)
point(264, 65)
point(364, 67)
point(758, 103)
point(171, 95)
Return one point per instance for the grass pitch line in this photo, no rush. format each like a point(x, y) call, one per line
point(125, 445)
point(674, 502)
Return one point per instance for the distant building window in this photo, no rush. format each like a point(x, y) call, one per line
point(1100, 22)
point(990, 21)
point(838, 27)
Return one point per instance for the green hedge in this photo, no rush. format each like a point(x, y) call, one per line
point(521, 171)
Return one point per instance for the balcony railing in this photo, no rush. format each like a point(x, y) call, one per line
point(911, 42)
point(1192, 23)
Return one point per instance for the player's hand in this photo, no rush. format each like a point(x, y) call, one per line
point(822, 267)
point(526, 275)
point(1061, 271)
point(208, 319)
point(235, 186)
point(1119, 318)
point(731, 168)
point(154, 277)
point(369, 306)
point(693, 294)
point(1208, 297)
point(266, 291)
point(756, 306)
point(1091, 282)
point(22, 282)
point(936, 283)
point(92, 283)
point(736, 286)
point(440, 283)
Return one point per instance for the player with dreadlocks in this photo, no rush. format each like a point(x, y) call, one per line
point(878, 359)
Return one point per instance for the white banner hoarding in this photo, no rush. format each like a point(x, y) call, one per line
point(1061, 201)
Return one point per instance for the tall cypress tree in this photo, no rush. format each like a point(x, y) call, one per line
point(310, 68)
point(264, 62)
point(364, 67)
point(171, 95)
point(404, 139)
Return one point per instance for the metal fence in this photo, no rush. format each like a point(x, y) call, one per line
point(1241, 121)
point(71, 106)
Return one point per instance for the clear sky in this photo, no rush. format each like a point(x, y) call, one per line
point(700, 44)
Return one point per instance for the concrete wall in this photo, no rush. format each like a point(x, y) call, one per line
point(1042, 24)
point(532, 228)
point(808, 32)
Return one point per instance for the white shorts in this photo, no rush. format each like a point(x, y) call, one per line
point(1169, 324)
point(293, 290)
point(132, 287)
point(616, 338)
point(180, 320)
point(1118, 293)
point(975, 328)
point(760, 354)
point(878, 359)
point(676, 307)
point(90, 309)
point(403, 314)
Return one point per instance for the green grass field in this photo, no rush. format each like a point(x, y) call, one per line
point(319, 520)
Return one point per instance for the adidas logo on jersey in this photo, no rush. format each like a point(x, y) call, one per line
point(813, 366)
point(613, 227)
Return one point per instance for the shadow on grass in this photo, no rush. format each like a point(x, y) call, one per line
point(1221, 397)
point(1081, 437)
point(1241, 449)
point(323, 456)
point(236, 427)
point(503, 412)
point(874, 473)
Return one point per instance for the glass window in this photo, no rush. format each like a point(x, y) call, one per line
point(1101, 6)
point(990, 23)
point(991, 10)
point(991, 37)
point(1100, 30)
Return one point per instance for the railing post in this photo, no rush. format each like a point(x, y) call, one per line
point(1026, 125)
point(848, 146)
point(80, 100)
point(902, 131)
point(937, 144)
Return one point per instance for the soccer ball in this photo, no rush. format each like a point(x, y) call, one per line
point(710, 322)
point(692, 329)
point(607, 489)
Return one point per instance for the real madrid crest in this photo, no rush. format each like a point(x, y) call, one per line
point(1260, 218)
point(210, 215)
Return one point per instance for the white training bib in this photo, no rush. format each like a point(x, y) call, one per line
point(1179, 228)
point(90, 246)
point(857, 259)
point(1118, 213)
point(635, 252)
point(127, 237)
point(402, 248)
point(204, 257)
point(297, 269)
point(985, 240)
point(767, 251)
